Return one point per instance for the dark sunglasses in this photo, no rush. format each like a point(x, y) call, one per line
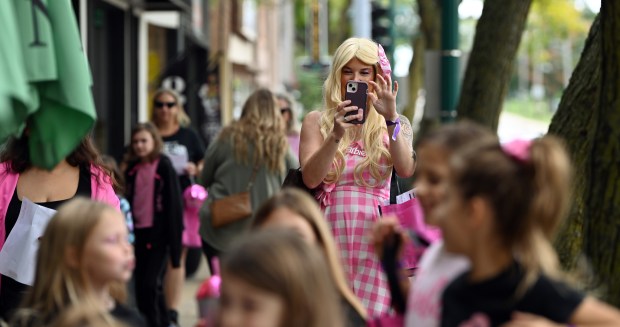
point(160, 104)
point(283, 110)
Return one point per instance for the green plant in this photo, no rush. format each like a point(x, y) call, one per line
point(310, 88)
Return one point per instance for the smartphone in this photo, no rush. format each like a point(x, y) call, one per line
point(356, 91)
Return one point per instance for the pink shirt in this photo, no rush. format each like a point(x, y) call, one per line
point(293, 141)
point(144, 194)
point(101, 189)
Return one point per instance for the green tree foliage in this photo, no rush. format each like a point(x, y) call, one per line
point(551, 43)
point(491, 62)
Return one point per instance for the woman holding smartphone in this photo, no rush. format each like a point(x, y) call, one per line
point(350, 162)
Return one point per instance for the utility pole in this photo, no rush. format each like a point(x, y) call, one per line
point(316, 34)
point(450, 57)
point(392, 15)
point(360, 13)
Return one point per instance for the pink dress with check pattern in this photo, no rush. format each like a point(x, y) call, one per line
point(351, 210)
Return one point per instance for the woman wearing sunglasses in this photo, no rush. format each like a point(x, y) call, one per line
point(290, 121)
point(185, 149)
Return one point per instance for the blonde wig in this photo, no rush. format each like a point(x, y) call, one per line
point(260, 124)
point(182, 117)
point(373, 131)
point(305, 206)
point(58, 284)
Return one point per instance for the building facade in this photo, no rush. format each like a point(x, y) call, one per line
point(213, 52)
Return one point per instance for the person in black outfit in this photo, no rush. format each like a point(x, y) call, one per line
point(503, 204)
point(152, 189)
point(185, 149)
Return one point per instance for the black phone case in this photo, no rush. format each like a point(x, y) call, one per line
point(358, 98)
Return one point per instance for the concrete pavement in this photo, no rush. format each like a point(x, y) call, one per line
point(513, 126)
point(188, 312)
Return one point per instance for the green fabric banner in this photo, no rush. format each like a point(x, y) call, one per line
point(15, 101)
point(62, 110)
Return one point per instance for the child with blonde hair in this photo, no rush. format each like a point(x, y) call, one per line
point(84, 258)
point(276, 279)
point(295, 210)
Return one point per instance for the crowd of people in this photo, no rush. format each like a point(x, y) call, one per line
point(292, 257)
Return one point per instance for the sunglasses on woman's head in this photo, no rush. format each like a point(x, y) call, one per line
point(160, 104)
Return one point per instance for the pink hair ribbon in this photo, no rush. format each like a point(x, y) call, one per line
point(518, 149)
point(384, 63)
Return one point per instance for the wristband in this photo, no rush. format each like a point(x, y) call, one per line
point(396, 128)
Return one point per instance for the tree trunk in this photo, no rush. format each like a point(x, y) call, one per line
point(602, 227)
point(491, 62)
point(340, 30)
point(575, 122)
point(428, 38)
point(416, 76)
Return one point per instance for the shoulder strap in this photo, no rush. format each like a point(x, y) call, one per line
point(394, 187)
point(251, 182)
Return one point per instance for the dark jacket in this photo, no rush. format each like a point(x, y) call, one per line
point(168, 212)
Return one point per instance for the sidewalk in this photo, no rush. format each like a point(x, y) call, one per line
point(512, 126)
point(188, 312)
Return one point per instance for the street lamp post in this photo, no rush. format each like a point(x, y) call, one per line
point(450, 57)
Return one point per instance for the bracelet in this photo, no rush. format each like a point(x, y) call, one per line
point(396, 128)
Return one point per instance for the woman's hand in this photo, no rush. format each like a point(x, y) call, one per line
point(382, 230)
point(342, 122)
point(384, 100)
point(191, 169)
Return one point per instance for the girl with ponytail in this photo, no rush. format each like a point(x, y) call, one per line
point(502, 207)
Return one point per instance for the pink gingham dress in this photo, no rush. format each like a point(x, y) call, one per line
point(351, 211)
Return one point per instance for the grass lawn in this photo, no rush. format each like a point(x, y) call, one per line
point(536, 110)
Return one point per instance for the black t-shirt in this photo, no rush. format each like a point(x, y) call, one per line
point(492, 302)
point(184, 141)
point(12, 291)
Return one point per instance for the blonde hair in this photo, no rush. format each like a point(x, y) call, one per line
point(182, 117)
point(529, 197)
point(373, 130)
point(260, 124)
point(305, 206)
point(58, 285)
point(285, 265)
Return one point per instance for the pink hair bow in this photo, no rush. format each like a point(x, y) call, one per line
point(518, 149)
point(384, 63)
